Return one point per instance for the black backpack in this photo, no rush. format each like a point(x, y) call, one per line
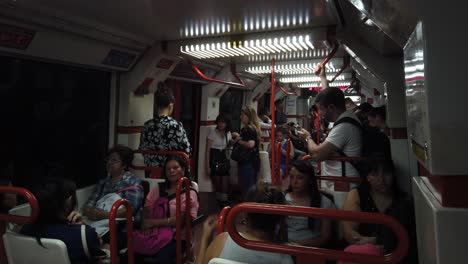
point(374, 144)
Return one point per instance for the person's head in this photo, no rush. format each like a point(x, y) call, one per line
point(380, 175)
point(264, 114)
point(279, 105)
point(249, 118)
point(377, 117)
point(266, 194)
point(57, 199)
point(281, 134)
point(331, 102)
point(349, 104)
point(223, 122)
point(175, 168)
point(303, 181)
point(164, 98)
point(365, 108)
point(119, 159)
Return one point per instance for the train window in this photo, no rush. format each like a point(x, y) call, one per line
point(55, 121)
point(231, 104)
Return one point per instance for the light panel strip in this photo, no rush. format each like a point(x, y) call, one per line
point(299, 44)
point(317, 84)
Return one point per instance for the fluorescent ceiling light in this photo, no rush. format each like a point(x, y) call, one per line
point(273, 45)
point(317, 84)
point(300, 79)
point(290, 68)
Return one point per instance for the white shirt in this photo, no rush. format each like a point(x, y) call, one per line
point(298, 226)
point(232, 251)
point(346, 137)
point(219, 142)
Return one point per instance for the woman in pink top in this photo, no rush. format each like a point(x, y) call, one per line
point(174, 169)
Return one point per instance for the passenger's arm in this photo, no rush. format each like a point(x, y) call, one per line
point(247, 144)
point(325, 235)
point(350, 232)
point(215, 248)
point(209, 143)
point(93, 198)
point(318, 152)
point(207, 232)
point(323, 77)
point(183, 141)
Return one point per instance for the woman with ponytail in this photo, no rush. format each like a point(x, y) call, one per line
point(163, 132)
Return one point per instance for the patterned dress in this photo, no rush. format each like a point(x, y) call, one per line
point(163, 133)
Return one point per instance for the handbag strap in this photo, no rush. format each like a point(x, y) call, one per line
point(84, 242)
point(225, 149)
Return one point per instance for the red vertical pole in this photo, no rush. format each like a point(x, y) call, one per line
point(273, 128)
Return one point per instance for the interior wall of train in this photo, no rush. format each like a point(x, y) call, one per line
point(77, 77)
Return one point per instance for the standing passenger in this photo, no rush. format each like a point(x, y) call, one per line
point(248, 140)
point(282, 138)
point(280, 115)
point(217, 161)
point(343, 140)
point(163, 132)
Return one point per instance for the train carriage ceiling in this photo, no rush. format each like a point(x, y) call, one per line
point(383, 25)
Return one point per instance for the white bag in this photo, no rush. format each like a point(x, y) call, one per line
point(105, 203)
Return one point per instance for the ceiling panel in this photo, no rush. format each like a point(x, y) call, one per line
point(176, 19)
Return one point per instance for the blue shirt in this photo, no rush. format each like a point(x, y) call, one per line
point(71, 236)
point(106, 186)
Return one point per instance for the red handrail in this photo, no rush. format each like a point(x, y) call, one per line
point(327, 59)
point(222, 219)
point(206, 78)
point(287, 92)
point(311, 253)
point(183, 183)
point(5, 217)
point(343, 68)
point(113, 231)
point(162, 153)
point(273, 116)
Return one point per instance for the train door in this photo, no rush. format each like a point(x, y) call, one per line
point(231, 103)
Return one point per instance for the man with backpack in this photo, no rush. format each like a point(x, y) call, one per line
point(345, 139)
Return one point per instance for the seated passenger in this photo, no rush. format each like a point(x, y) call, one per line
point(379, 194)
point(259, 227)
point(303, 191)
point(119, 181)
point(153, 221)
point(57, 220)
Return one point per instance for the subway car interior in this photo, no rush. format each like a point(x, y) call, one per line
point(319, 131)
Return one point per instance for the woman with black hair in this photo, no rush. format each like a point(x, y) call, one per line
point(57, 220)
point(259, 227)
point(120, 181)
point(379, 194)
point(303, 191)
point(163, 132)
point(217, 159)
point(164, 194)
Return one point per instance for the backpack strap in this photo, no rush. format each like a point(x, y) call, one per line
point(355, 123)
point(84, 242)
